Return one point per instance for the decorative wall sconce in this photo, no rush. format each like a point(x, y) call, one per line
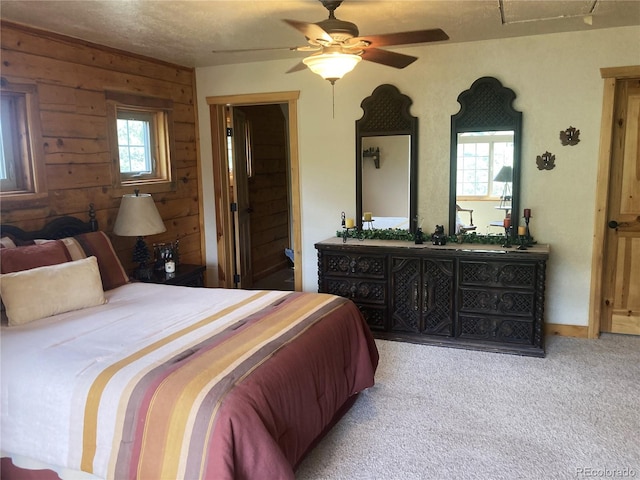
point(546, 161)
point(570, 136)
point(372, 153)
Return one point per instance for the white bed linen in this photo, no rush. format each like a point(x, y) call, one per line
point(49, 365)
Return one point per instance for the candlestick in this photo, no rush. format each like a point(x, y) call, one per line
point(527, 213)
point(507, 239)
point(506, 223)
point(367, 216)
point(528, 233)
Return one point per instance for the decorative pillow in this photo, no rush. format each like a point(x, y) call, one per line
point(7, 242)
point(98, 244)
point(44, 291)
point(32, 256)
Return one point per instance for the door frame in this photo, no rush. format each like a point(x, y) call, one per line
point(224, 228)
point(596, 298)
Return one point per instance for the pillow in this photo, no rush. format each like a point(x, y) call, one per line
point(97, 244)
point(44, 291)
point(7, 242)
point(32, 256)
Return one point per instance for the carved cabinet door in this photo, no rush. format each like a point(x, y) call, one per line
point(422, 296)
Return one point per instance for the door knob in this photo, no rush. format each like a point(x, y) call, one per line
point(614, 224)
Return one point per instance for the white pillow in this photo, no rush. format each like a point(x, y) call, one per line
point(44, 291)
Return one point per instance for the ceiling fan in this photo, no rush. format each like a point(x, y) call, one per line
point(338, 46)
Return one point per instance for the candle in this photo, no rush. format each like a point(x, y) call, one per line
point(367, 216)
point(506, 222)
point(527, 213)
point(349, 223)
point(522, 231)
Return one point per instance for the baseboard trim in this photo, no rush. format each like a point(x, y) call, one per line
point(566, 330)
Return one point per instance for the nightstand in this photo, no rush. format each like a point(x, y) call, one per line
point(186, 275)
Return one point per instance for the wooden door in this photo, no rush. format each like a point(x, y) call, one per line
point(241, 156)
point(621, 282)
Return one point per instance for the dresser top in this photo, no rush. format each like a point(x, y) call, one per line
point(450, 248)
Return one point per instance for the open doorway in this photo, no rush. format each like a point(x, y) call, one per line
point(257, 199)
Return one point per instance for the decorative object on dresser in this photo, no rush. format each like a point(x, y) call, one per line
point(486, 299)
point(139, 217)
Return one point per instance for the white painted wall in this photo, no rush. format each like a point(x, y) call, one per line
point(557, 82)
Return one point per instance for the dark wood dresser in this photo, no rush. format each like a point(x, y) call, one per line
point(482, 297)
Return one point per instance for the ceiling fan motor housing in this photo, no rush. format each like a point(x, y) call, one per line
point(339, 30)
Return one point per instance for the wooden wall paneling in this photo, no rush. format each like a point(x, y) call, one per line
point(29, 40)
point(72, 78)
point(71, 100)
point(78, 176)
point(48, 70)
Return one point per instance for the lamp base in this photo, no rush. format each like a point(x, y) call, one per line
point(143, 273)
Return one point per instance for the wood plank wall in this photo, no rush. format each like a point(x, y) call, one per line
point(72, 77)
point(268, 189)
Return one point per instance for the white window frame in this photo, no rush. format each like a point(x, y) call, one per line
point(494, 189)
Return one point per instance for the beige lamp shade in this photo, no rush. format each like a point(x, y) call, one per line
point(138, 217)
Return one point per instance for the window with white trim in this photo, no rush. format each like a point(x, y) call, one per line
point(481, 156)
point(142, 134)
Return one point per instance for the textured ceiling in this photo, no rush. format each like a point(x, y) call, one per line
point(187, 32)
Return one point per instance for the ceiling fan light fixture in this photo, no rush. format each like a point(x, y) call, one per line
point(332, 66)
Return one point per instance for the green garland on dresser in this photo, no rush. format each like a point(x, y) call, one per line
point(399, 234)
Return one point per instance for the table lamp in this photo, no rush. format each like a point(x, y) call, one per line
point(505, 175)
point(139, 217)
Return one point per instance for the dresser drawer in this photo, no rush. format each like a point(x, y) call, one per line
point(500, 330)
point(347, 264)
point(374, 315)
point(496, 301)
point(357, 289)
point(498, 274)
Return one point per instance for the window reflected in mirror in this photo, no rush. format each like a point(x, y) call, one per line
point(484, 180)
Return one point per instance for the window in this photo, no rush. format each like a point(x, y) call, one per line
point(481, 156)
point(22, 176)
point(142, 135)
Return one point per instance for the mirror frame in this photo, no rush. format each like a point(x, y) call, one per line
point(386, 113)
point(486, 106)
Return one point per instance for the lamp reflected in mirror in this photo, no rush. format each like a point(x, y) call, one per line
point(504, 176)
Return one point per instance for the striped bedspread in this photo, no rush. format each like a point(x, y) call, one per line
point(168, 382)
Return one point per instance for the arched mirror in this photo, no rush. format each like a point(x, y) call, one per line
point(386, 161)
point(485, 160)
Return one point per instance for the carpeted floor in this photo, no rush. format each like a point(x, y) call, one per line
point(444, 413)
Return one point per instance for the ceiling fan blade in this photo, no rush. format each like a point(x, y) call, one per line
point(310, 30)
point(404, 38)
point(302, 48)
point(300, 66)
point(390, 59)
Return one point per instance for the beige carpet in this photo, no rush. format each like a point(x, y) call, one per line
point(443, 413)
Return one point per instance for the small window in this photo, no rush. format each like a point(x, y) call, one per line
point(481, 156)
point(141, 137)
point(22, 176)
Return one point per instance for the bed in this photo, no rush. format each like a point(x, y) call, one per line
point(160, 382)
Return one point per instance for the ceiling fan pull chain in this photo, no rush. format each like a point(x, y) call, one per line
point(333, 99)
